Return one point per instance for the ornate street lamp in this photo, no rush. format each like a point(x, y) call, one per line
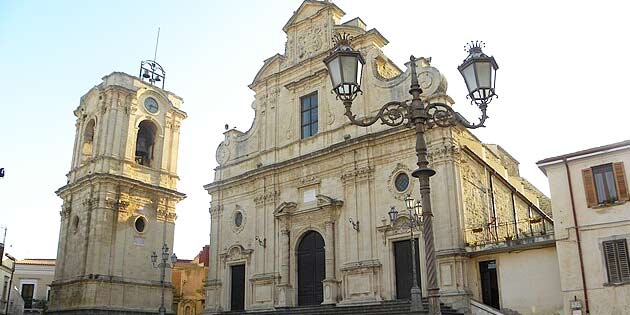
point(345, 67)
point(162, 266)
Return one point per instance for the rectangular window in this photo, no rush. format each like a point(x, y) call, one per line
point(308, 115)
point(605, 183)
point(617, 262)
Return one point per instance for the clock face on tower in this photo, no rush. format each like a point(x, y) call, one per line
point(151, 105)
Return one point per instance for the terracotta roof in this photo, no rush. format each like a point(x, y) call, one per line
point(36, 261)
point(585, 152)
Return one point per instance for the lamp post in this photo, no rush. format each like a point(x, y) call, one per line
point(162, 266)
point(345, 68)
point(415, 220)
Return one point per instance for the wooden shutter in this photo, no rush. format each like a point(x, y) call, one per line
point(624, 264)
point(620, 179)
point(611, 261)
point(589, 187)
point(617, 262)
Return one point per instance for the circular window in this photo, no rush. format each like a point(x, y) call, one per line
point(140, 224)
point(75, 224)
point(238, 219)
point(401, 182)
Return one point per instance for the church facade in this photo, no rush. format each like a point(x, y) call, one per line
point(119, 202)
point(300, 200)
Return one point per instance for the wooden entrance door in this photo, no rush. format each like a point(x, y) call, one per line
point(489, 283)
point(238, 288)
point(404, 278)
point(311, 269)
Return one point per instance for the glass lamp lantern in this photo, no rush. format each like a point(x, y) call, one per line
point(409, 202)
point(345, 66)
point(418, 209)
point(479, 72)
point(393, 214)
point(173, 258)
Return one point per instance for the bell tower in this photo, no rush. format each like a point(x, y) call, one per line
point(119, 201)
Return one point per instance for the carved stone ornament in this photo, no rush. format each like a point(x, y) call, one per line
point(166, 215)
point(391, 181)
point(446, 152)
point(236, 253)
point(223, 154)
point(309, 42)
point(360, 173)
point(267, 197)
point(309, 180)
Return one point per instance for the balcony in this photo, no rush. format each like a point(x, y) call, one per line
point(508, 235)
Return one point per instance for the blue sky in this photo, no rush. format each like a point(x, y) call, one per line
point(563, 69)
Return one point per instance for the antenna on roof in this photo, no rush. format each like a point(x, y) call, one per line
point(156, 45)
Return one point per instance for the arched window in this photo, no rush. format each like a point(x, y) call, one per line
point(88, 141)
point(188, 310)
point(145, 143)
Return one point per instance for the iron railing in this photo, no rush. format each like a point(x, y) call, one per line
point(497, 232)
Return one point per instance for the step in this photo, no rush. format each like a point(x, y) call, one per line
point(400, 307)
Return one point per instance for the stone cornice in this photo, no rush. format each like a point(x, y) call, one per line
point(120, 179)
point(315, 76)
point(300, 159)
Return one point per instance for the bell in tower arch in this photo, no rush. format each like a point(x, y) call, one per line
point(145, 142)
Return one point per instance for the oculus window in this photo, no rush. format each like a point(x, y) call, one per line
point(401, 182)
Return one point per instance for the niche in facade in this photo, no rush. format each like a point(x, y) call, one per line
point(145, 143)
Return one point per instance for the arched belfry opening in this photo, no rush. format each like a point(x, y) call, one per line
point(87, 146)
point(311, 265)
point(145, 143)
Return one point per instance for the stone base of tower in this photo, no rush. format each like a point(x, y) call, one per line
point(107, 296)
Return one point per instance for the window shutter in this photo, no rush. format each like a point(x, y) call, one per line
point(589, 187)
point(624, 264)
point(620, 179)
point(611, 261)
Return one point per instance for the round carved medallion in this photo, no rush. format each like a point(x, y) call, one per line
point(223, 154)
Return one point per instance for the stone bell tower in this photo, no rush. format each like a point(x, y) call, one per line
point(119, 202)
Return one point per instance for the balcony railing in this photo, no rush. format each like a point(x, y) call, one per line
point(499, 232)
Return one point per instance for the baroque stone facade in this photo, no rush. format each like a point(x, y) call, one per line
point(274, 187)
point(119, 203)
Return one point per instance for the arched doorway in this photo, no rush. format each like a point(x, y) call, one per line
point(311, 269)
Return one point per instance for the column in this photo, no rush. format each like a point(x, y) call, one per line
point(285, 290)
point(331, 285)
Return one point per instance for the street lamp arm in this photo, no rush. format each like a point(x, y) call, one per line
point(392, 114)
point(442, 115)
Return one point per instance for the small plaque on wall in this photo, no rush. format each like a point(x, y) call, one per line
point(137, 240)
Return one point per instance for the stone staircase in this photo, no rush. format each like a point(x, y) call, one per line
point(399, 307)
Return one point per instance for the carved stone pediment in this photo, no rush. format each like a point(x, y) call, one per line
point(285, 208)
point(235, 253)
point(325, 201)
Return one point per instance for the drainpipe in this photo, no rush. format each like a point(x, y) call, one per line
point(577, 236)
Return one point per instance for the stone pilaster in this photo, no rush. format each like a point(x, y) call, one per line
point(285, 290)
point(331, 285)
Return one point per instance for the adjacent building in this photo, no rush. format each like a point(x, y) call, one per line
point(6, 274)
point(119, 202)
point(189, 278)
point(300, 200)
point(589, 192)
point(33, 278)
